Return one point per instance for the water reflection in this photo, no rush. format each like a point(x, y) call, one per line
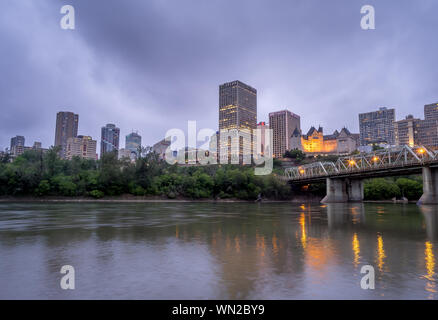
point(217, 251)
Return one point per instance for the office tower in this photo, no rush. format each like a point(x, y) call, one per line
point(237, 106)
point(283, 124)
point(37, 145)
point(66, 127)
point(109, 139)
point(406, 131)
point(17, 146)
point(431, 111)
point(237, 110)
point(82, 147)
point(133, 142)
point(377, 127)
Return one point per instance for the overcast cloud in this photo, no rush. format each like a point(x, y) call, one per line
point(151, 65)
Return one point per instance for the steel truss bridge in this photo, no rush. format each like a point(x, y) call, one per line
point(400, 160)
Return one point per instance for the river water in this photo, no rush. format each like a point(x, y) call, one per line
point(218, 250)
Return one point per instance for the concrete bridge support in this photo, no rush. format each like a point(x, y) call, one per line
point(343, 190)
point(430, 186)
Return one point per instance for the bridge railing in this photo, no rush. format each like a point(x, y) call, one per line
point(399, 156)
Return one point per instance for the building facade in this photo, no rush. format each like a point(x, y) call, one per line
point(237, 110)
point(431, 111)
point(81, 146)
point(66, 128)
point(17, 146)
point(377, 127)
point(133, 142)
point(283, 124)
point(316, 143)
point(417, 132)
point(110, 136)
point(406, 131)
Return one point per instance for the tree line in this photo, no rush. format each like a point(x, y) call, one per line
point(44, 174)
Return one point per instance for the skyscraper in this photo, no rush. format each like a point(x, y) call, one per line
point(283, 123)
point(237, 106)
point(133, 142)
point(237, 110)
point(377, 127)
point(109, 139)
point(66, 127)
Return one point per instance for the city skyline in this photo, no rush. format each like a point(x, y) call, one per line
point(85, 72)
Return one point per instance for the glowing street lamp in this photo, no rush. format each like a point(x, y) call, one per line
point(421, 151)
point(375, 158)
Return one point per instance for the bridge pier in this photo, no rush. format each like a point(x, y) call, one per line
point(343, 190)
point(430, 186)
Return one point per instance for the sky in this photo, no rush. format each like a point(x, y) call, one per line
point(153, 65)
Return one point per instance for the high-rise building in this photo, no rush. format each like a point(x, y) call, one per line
point(66, 127)
point(427, 132)
point(237, 106)
point(406, 131)
point(237, 110)
point(109, 139)
point(17, 146)
point(82, 147)
point(377, 127)
point(17, 141)
point(431, 111)
point(133, 142)
point(283, 124)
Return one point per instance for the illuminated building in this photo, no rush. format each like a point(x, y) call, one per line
point(283, 124)
point(237, 110)
point(414, 132)
point(316, 143)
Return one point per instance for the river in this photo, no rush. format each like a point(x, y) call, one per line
point(218, 250)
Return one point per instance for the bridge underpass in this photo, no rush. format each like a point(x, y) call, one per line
point(344, 178)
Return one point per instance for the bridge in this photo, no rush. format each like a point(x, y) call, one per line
point(344, 177)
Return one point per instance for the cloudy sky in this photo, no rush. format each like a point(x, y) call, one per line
point(151, 65)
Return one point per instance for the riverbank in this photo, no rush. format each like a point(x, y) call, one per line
point(145, 199)
point(156, 199)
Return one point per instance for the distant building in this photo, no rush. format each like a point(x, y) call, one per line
point(237, 106)
point(82, 147)
point(237, 110)
point(262, 126)
point(17, 146)
point(377, 127)
point(126, 154)
point(109, 142)
point(431, 111)
point(160, 148)
point(66, 128)
point(283, 124)
point(406, 131)
point(133, 142)
point(417, 132)
point(316, 143)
